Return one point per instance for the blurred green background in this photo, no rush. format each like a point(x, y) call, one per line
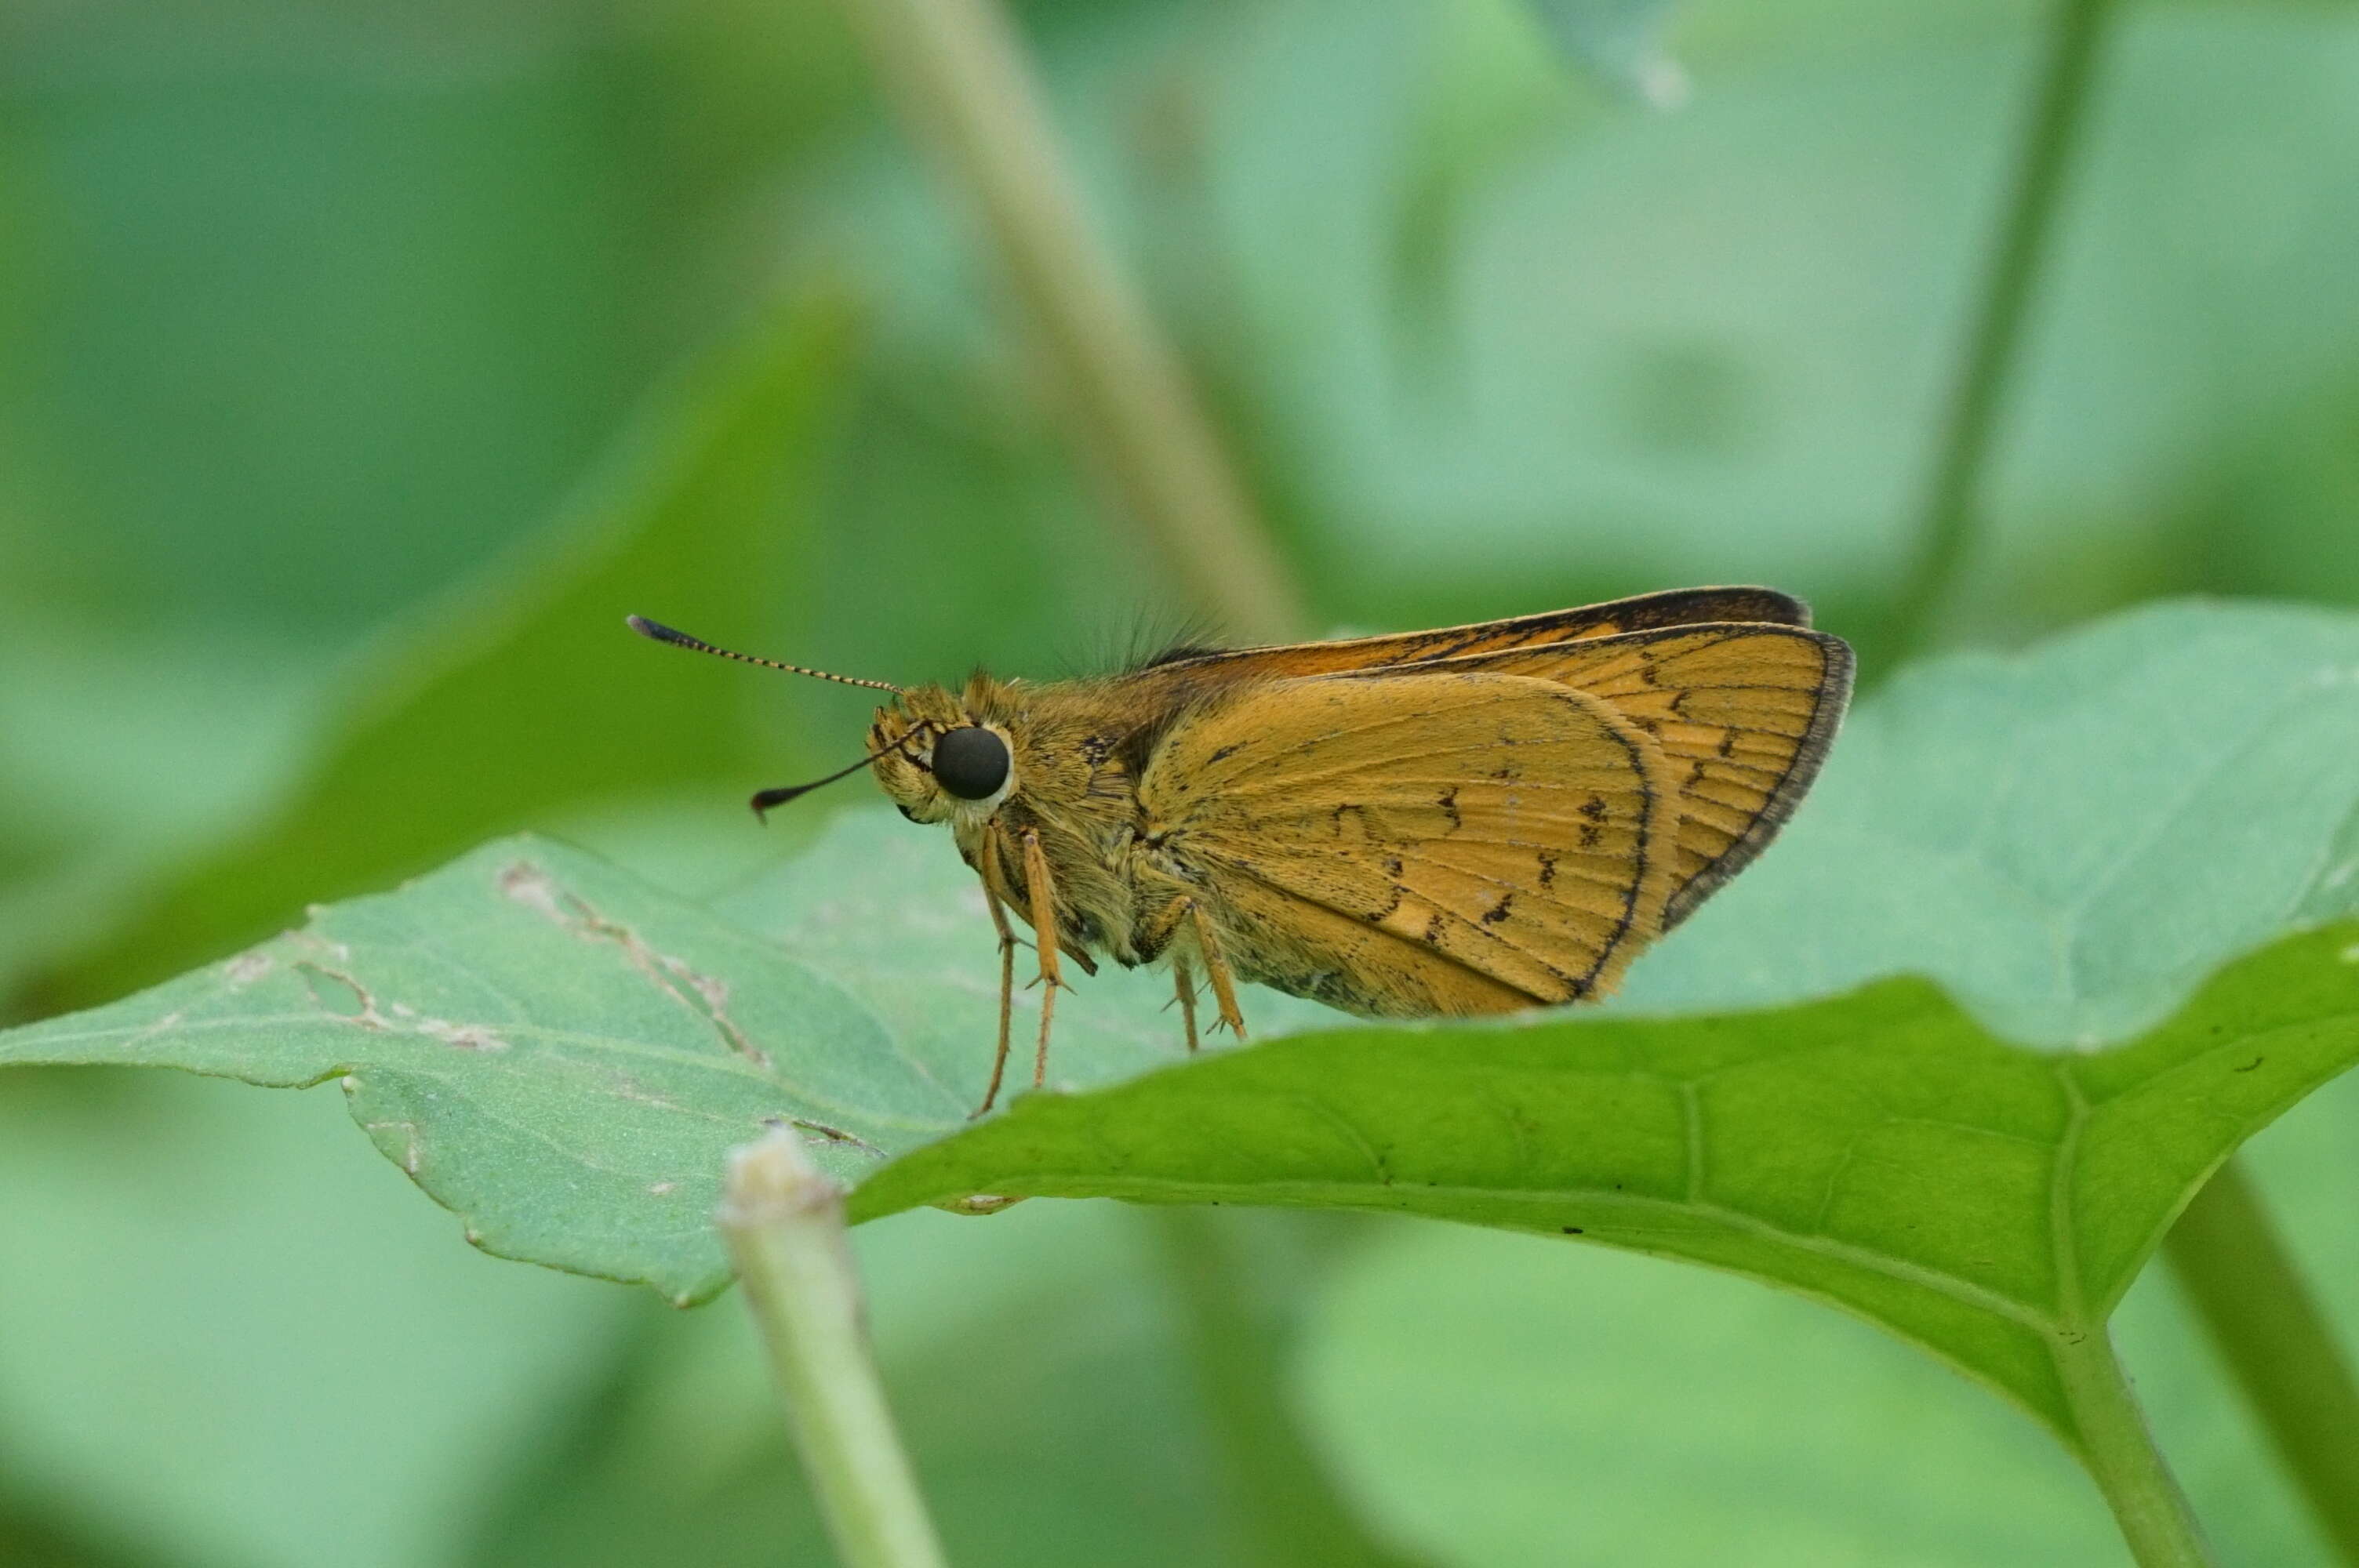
point(361, 365)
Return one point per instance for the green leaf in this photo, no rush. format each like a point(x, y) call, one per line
point(1495, 1400)
point(1878, 1150)
point(523, 693)
point(562, 1052)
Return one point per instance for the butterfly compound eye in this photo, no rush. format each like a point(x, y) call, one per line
point(971, 763)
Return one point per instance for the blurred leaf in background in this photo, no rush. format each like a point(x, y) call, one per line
point(1708, 345)
point(1622, 40)
point(524, 697)
point(222, 1340)
point(310, 315)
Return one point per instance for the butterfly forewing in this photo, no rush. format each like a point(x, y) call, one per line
point(1493, 825)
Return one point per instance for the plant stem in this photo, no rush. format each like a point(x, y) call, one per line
point(1946, 510)
point(959, 71)
point(2120, 1453)
point(784, 1222)
point(2278, 1345)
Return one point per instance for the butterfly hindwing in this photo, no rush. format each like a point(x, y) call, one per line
point(1743, 713)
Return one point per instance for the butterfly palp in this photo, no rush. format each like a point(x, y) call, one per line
point(764, 800)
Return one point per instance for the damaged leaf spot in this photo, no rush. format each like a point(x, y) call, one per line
point(528, 885)
point(342, 996)
point(824, 1134)
point(979, 1202)
point(630, 1089)
point(248, 967)
point(464, 1036)
point(314, 943)
point(702, 994)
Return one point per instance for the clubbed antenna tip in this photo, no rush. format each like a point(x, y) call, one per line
point(656, 630)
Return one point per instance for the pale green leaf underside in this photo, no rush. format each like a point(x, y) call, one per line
point(563, 1054)
point(546, 1044)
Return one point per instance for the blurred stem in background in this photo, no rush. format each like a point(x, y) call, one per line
point(2225, 1250)
point(2235, 1267)
point(1962, 447)
point(958, 72)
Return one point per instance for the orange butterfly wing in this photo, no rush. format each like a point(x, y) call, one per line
point(1743, 713)
point(1447, 842)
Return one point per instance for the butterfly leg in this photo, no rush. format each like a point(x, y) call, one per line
point(1216, 968)
point(1154, 937)
point(1044, 932)
point(1007, 992)
point(1184, 973)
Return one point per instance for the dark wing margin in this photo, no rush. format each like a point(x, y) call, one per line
point(1641, 612)
point(1834, 698)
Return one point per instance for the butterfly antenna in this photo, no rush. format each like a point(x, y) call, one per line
point(656, 630)
point(764, 799)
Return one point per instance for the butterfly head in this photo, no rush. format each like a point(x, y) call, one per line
point(940, 756)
